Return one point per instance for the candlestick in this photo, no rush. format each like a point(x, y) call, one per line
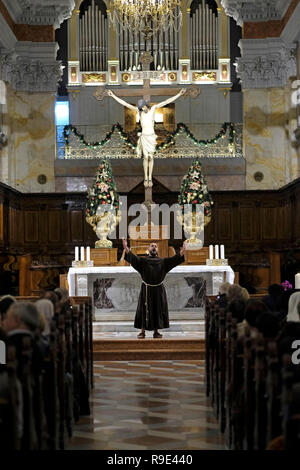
point(88, 254)
point(211, 252)
point(297, 281)
point(82, 253)
point(76, 253)
point(216, 251)
point(222, 250)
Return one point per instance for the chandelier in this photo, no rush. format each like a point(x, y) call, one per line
point(146, 16)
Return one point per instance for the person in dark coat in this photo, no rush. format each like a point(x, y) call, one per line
point(152, 309)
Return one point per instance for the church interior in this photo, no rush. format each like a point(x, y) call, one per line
point(108, 110)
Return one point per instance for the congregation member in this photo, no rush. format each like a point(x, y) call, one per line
point(5, 303)
point(274, 297)
point(252, 311)
point(222, 300)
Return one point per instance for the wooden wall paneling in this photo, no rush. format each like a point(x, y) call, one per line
point(224, 224)
point(284, 222)
point(77, 226)
point(269, 223)
point(247, 223)
point(296, 215)
point(210, 229)
point(31, 226)
point(54, 226)
point(43, 227)
point(1, 223)
point(13, 226)
point(65, 223)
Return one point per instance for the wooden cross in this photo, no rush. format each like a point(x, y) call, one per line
point(146, 59)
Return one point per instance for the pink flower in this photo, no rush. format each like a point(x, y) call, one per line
point(286, 285)
point(194, 185)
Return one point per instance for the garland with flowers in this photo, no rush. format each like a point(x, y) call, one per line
point(170, 141)
point(194, 189)
point(103, 190)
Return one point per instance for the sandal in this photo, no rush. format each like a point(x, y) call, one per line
point(157, 335)
point(141, 335)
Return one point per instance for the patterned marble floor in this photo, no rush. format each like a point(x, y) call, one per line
point(143, 405)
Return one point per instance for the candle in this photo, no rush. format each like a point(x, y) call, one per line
point(222, 250)
point(82, 253)
point(216, 251)
point(211, 252)
point(88, 254)
point(76, 253)
point(297, 281)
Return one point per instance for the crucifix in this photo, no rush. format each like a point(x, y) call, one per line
point(147, 138)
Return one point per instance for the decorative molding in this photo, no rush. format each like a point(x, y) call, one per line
point(265, 63)
point(258, 10)
point(40, 12)
point(32, 67)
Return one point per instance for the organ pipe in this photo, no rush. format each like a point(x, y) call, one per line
point(204, 37)
point(93, 39)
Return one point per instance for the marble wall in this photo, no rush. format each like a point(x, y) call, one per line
point(269, 123)
point(28, 121)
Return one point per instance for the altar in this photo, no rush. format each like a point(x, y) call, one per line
point(115, 289)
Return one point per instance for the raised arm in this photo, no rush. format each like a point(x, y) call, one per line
point(119, 100)
point(170, 100)
point(135, 261)
point(172, 262)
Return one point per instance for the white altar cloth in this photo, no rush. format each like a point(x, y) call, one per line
point(76, 275)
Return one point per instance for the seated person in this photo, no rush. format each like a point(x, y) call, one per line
point(273, 299)
point(252, 311)
point(5, 303)
point(22, 320)
point(268, 324)
point(237, 309)
point(222, 298)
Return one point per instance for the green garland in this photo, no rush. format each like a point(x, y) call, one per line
point(116, 127)
point(180, 128)
point(183, 128)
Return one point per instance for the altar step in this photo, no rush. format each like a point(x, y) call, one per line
point(127, 326)
point(149, 349)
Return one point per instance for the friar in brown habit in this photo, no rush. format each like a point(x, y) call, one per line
point(152, 309)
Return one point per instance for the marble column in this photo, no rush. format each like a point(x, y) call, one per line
point(31, 74)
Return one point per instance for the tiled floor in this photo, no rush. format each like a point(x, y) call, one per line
point(153, 405)
point(149, 334)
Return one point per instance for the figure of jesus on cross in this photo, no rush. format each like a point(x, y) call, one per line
point(147, 138)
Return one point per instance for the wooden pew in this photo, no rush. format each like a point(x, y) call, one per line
point(228, 378)
point(249, 401)
point(46, 403)
point(222, 368)
point(85, 335)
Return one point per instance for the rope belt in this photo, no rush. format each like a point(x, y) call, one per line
point(146, 301)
